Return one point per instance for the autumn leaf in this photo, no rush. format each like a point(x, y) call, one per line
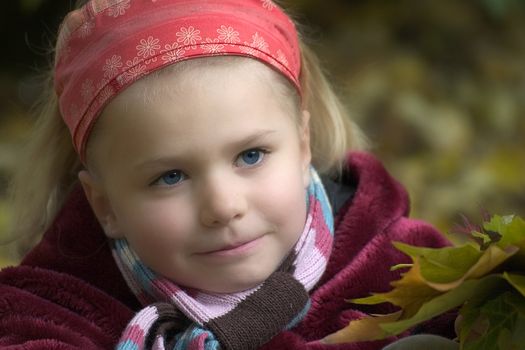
point(442, 265)
point(451, 264)
point(380, 327)
point(365, 329)
point(491, 258)
point(409, 293)
point(446, 268)
point(445, 302)
point(487, 281)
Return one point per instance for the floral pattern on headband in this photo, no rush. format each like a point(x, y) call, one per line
point(149, 48)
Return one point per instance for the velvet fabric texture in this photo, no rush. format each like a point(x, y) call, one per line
point(69, 294)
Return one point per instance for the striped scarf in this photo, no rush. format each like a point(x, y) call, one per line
point(175, 318)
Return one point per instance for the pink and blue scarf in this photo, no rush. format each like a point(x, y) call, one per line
point(174, 318)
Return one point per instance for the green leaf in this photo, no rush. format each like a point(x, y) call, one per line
point(517, 302)
point(517, 281)
point(442, 265)
point(491, 258)
point(446, 268)
point(468, 322)
point(501, 317)
point(447, 301)
point(510, 227)
point(513, 340)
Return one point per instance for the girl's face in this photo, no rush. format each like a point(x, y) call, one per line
point(206, 178)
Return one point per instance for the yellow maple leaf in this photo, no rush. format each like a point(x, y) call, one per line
point(365, 329)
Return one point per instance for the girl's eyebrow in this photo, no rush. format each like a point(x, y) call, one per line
point(257, 136)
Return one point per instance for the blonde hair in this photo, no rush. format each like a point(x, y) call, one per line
point(43, 177)
point(333, 133)
point(50, 153)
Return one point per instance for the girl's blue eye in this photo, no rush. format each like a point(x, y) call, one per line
point(171, 178)
point(251, 157)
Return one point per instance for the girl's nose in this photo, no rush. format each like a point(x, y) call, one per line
point(222, 201)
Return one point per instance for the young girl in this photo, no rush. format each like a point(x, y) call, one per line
point(175, 173)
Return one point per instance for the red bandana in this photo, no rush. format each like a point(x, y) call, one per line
point(108, 44)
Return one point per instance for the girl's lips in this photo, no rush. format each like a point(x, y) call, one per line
point(234, 250)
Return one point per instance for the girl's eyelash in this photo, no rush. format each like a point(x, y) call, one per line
point(174, 175)
point(259, 151)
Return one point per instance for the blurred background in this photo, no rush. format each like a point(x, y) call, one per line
point(438, 87)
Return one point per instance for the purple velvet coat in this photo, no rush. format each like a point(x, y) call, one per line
point(69, 294)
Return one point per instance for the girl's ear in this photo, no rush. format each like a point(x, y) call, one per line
point(100, 203)
point(306, 153)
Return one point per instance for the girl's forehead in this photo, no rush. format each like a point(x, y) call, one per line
point(199, 73)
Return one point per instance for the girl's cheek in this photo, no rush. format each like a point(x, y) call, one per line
point(160, 221)
point(278, 199)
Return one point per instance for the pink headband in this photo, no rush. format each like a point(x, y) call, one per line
point(106, 45)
